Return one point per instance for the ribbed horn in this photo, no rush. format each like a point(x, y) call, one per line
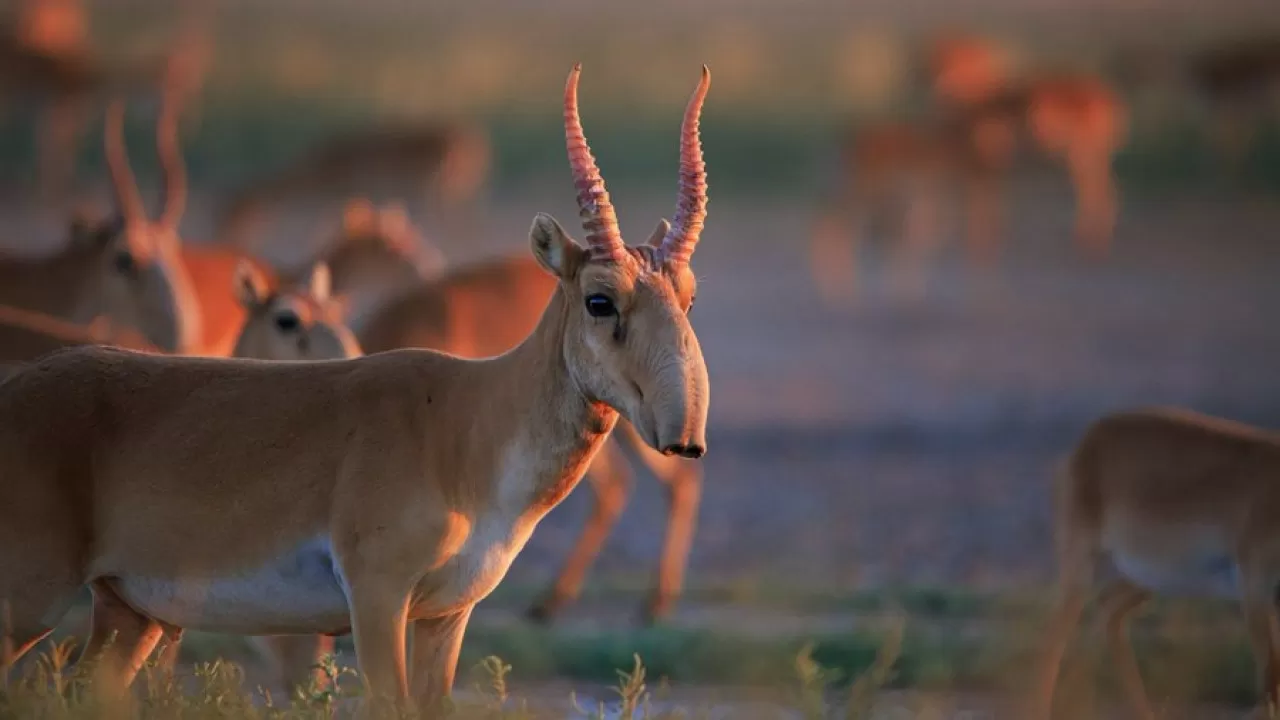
point(169, 149)
point(691, 206)
point(598, 218)
point(128, 200)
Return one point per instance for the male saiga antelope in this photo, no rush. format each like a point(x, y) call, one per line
point(1179, 503)
point(128, 268)
point(259, 498)
point(485, 309)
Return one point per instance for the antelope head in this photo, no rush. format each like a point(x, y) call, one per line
point(144, 284)
point(628, 342)
point(305, 323)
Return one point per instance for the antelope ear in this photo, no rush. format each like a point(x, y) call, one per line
point(250, 286)
point(659, 232)
point(554, 249)
point(321, 285)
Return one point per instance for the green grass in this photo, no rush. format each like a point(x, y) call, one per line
point(939, 639)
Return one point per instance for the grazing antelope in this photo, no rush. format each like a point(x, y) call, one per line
point(359, 495)
point(128, 268)
point(452, 161)
point(292, 324)
point(27, 335)
point(1075, 119)
point(486, 309)
point(1180, 503)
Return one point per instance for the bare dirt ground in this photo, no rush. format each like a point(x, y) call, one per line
point(912, 441)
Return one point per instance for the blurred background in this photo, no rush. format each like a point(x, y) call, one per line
point(890, 394)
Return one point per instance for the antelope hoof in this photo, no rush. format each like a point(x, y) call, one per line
point(545, 610)
point(657, 610)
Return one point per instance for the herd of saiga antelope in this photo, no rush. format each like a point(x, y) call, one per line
point(338, 476)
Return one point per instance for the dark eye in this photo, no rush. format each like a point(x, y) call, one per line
point(600, 306)
point(288, 321)
point(124, 261)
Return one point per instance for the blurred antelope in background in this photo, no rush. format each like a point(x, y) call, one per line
point(895, 171)
point(377, 254)
point(967, 149)
point(406, 506)
point(444, 163)
point(1076, 119)
point(128, 268)
point(1179, 503)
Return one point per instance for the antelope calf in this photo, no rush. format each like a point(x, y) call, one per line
point(1179, 503)
point(360, 495)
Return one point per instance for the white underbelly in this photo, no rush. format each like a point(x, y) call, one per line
point(1206, 576)
point(1174, 560)
point(299, 592)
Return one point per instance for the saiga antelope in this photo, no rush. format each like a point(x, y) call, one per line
point(264, 498)
point(1179, 503)
point(128, 269)
point(485, 309)
point(1073, 118)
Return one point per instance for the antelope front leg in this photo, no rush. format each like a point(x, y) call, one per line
point(436, 644)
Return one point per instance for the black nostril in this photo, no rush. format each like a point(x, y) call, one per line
point(692, 452)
